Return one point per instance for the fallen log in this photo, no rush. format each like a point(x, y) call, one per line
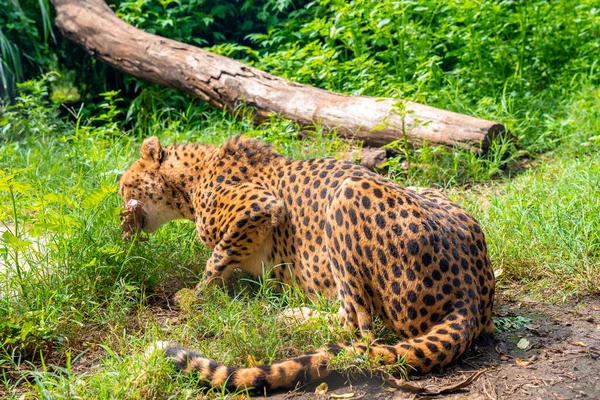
point(226, 83)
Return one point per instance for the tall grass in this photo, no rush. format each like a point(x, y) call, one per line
point(22, 48)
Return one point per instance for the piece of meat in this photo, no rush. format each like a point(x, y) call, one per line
point(131, 219)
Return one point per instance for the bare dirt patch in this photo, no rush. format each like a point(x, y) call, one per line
point(562, 357)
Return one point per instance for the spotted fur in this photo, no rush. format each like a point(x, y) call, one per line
point(414, 259)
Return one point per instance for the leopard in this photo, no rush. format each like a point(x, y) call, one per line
point(410, 258)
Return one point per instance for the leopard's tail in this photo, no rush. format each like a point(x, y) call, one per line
point(445, 342)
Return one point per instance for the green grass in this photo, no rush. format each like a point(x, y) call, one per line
point(77, 312)
point(78, 306)
point(542, 227)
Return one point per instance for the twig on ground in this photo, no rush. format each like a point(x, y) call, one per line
point(433, 391)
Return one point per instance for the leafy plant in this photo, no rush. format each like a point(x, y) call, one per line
point(511, 323)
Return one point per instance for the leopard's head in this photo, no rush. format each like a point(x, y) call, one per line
point(145, 193)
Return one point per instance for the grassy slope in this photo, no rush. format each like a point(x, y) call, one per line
point(85, 302)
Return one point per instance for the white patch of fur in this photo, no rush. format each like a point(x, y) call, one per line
point(156, 215)
point(298, 315)
point(158, 347)
point(257, 262)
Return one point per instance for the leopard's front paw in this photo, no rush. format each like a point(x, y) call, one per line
point(186, 298)
point(299, 315)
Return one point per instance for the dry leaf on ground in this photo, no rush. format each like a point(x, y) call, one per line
point(322, 389)
point(523, 343)
point(523, 363)
point(342, 396)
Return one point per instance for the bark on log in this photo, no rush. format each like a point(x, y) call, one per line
point(369, 157)
point(225, 83)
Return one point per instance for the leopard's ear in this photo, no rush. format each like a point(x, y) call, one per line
point(152, 151)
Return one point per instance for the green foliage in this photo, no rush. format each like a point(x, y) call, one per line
point(203, 22)
point(511, 323)
point(25, 37)
point(429, 165)
point(510, 61)
point(414, 47)
point(498, 60)
point(30, 114)
point(223, 24)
